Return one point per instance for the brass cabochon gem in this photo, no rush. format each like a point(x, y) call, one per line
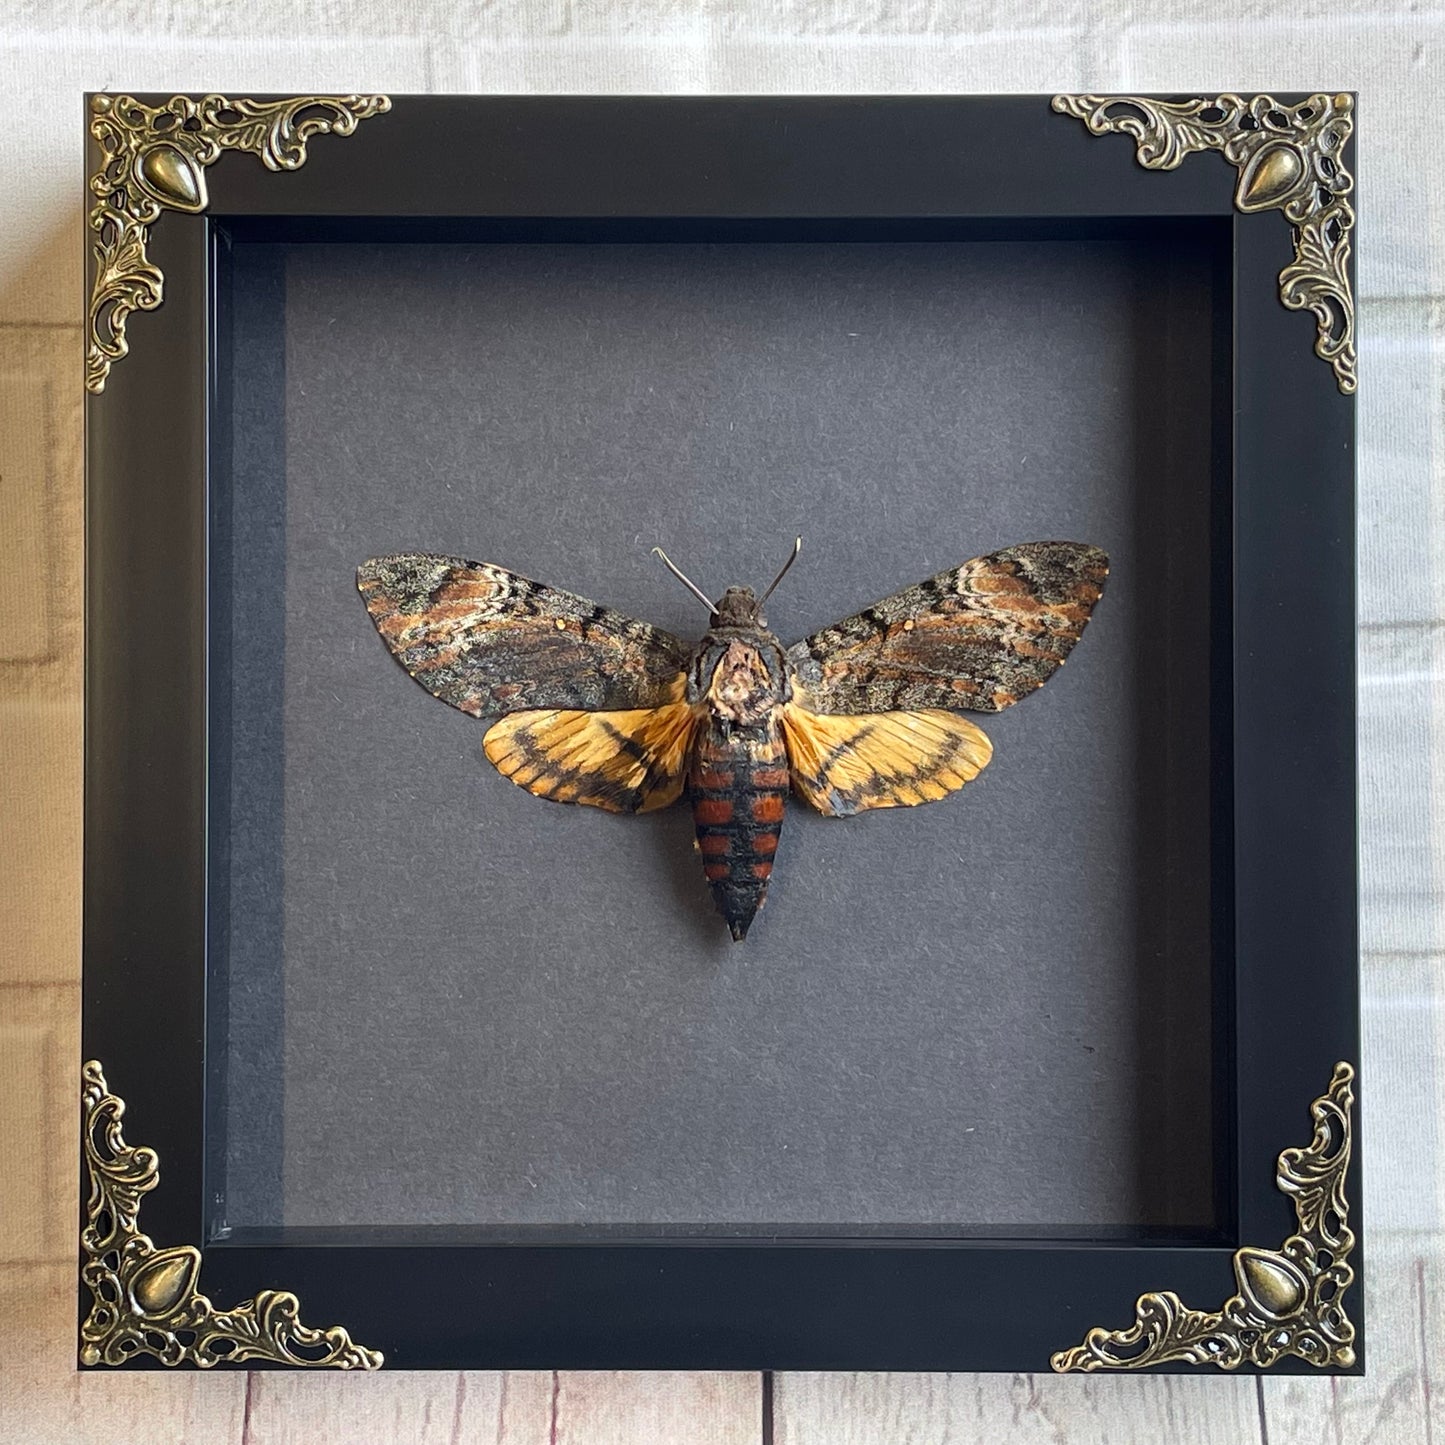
point(159, 1286)
point(172, 177)
point(1271, 174)
point(1270, 1282)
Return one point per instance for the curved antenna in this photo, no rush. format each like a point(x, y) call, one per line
point(797, 547)
point(686, 580)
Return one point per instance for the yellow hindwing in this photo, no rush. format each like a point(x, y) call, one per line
point(626, 762)
point(848, 763)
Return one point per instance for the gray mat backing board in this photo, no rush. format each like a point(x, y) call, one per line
point(451, 1003)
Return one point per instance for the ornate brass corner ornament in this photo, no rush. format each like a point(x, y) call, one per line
point(1290, 158)
point(155, 160)
point(146, 1301)
point(1290, 1300)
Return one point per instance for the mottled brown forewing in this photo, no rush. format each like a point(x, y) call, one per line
point(490, 642)
point(980, 636)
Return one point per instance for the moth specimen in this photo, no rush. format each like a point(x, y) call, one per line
point(598, 708)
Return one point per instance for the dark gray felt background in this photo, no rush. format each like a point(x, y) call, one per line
point(453, 1003)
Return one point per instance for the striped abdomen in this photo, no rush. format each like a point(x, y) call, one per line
point(738, 781)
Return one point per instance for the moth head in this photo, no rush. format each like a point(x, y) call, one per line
point(739, 607)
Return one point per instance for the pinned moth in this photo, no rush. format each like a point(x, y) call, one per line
point(595, 707)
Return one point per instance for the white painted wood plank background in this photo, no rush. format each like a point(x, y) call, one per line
point(51, 50)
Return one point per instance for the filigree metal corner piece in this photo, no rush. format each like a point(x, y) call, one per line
point(155, 160)
point(1290, 158)
point(145, 1300)
point(1290, 1300)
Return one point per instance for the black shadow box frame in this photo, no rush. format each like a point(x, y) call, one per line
point(169, 199)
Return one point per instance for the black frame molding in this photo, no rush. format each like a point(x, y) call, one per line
point(694, 167)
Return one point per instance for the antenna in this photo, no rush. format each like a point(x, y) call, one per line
point(797, 547)
point(686, 580)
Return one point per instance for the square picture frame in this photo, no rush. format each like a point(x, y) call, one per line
point(174, 183)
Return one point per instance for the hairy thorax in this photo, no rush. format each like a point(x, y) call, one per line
point(744, 690)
